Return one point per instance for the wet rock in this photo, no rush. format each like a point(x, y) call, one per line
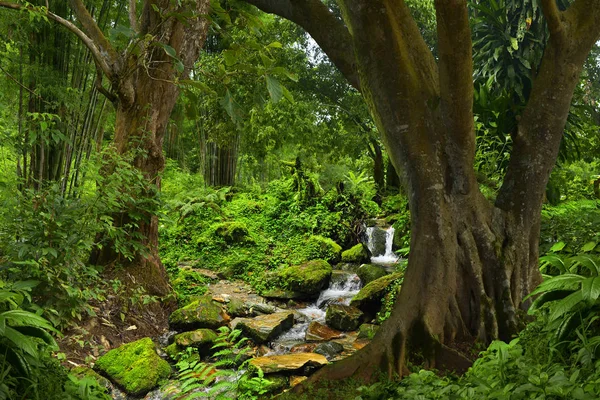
point(370, 272)
point(367, 331)
point(317, 332)
point(369, 298)
point(330, 349)
point(265, 328)
point(200, 313)
point(302, 363)
point(343, 318)
point(202, 339)
point(303, 281)
point(377, 241)
point(261, 308)
point(356, 255)
point(303, 348)
point(134, 366)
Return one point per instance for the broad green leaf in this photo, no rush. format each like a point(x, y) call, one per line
point(590, 288)
point(232, 107)
point(274, 87)
point(589, 246)
point(275, 45)
point(169, 50)
point(589, 262)
point(564, 306)
point(560, 282)
point(558, 246)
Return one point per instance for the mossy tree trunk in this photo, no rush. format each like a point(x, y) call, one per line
point(471, 262)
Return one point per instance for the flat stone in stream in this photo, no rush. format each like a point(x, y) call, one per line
point(343, 318)
point(329, 349)
point(297, 362)
point(202, 312)
point(318, 332)
point(264, 328)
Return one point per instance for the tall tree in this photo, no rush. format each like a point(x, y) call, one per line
point(166, 39)
point(471, 262)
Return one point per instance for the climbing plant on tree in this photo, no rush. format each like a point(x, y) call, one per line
point(472, 262)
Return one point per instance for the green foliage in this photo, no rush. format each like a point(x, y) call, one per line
point(225, 378)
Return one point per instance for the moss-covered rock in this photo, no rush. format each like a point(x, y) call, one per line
point(367, 331)
point(202, 312)
point(173, 351)
point(233, 232)
point(370, 272)
point(369, 298)
point(307, 279)
point(324, 248)
point(356, 255)
point(265, 328)
point(202, 339)
point(134, 366)
point(85, 372)
point(343, 318)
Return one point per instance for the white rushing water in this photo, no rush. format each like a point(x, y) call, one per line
point(379, 257)
point(340, 291)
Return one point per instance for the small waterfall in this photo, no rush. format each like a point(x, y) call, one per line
point(380, 242)
point(342, 288)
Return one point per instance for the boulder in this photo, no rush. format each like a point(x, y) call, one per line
point(317, 332)
point(324, 248)
point(202, 339)
point(202, 312)
point(377, 241)
point(369, 298)
point(369, 272)
point(297, 362)
point(307, 279)
point(303, 348)
point(356, 255)
point(343, 318)
point(265, 328)
point(233, 232)
point(281, 294)
point(330, 349)
point(135, 367)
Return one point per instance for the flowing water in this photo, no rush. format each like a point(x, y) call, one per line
point(341, 290)
point(381, 250)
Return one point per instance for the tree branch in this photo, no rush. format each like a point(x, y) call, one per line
point(103, 61)
point(552, 15)
point(133, 16)
point(95, 33)
point(328, 31)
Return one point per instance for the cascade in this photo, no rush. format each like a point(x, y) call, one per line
point(380, 242)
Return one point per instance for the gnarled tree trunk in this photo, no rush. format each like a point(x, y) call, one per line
point(471, 262)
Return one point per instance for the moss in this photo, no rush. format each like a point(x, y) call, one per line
point(370, 272)
point(200, 313)
point(369, 298)
point(309, 278)
point(357, 254)
point(189, 283)
point(173, 351)
point(202, 339)
point(233, 232)
point(324, 248)
point(134, 366)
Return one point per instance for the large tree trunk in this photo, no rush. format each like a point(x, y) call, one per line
point(147, 93)
point(471, 262)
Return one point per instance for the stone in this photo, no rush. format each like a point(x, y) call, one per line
point(297, 362)
point(356, 255)
point(278, 383)
point(237, 307)
point(303, 348)
point(377, 241)
point(202, 339)
point(296, 380)
point(135, 367)
point(367, 331)
point(343, 318)
point(85, 372)
point(265, 328)
point(329, 349)
point(283, 294)
point(370, 272)
point(307, 279)
point(368, 300)
point(318, 332)
point(324, 248)
point(202, 312)
point(233, 232)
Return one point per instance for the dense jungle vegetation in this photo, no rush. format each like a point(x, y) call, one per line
point(182, 181)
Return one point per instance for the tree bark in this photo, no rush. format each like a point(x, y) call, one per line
point(471, 262)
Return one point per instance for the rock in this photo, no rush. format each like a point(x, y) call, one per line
point(296, 380)
point(324, 248)
point(265, 328)
point(200, 313)
point(237, 307)
point(173, 351)
point(261, 308)
point(317, 332)
point(300, 362)
point(134, 366)
point(83, 372)
point(283, 294)
point(202, 339)
point(369, 298)
point(303, 348)
point(329, 349)
point(342, 317)
point(278, 383)
point(377, 241)
point(233, 232)
point(367, 331)
point(356, 255)
point(369, 272)
point(307, 279)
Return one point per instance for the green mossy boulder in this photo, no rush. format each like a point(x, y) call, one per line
point(308, 278)
point(370, 272)
point(85, 372)
point(367, 331)
point(324, 248)
point(356, 255)
point(173, 351)
point(343, 318)
point(134, 366)
point(202, 312)
point(265, 328)
point(369, 298)
point(233, 232)
point(202, 339)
